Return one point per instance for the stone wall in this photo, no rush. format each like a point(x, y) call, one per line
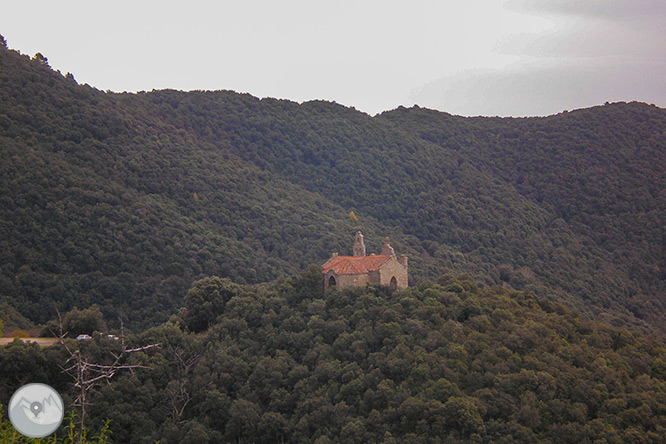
point(393, 268)
point(352, 280)
point(346, 280)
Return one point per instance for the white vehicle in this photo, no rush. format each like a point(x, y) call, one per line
point(83, 338)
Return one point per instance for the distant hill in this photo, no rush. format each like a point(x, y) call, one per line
point(599, 173)
point(122, 200)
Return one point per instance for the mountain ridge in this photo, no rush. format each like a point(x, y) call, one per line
point(124, 199)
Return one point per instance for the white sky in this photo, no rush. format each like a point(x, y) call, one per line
point(474, 57)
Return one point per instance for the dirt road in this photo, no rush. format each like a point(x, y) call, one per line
point(44, 342)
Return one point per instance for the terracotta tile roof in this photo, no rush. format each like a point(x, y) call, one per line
point(354, 264)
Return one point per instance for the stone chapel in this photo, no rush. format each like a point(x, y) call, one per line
point(358, 270)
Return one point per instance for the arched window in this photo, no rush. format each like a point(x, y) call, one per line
point(393, 283)
point(331, 282)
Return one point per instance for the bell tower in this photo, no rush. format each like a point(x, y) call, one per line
point(359, 246)
point(388, 250)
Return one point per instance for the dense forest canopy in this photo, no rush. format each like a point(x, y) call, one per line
point(438, 362)
point(123, 200)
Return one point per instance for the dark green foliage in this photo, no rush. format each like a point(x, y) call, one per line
point(451, 362)
point(86, 321)
point(124, 200)
point(599, 174)
point(205, 301)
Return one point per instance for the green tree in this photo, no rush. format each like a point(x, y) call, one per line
point(86, 321)
point(463, 416)
point(244, 417)
point(206, 300)
point(41, 59)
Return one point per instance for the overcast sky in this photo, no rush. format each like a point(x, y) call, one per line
point(473, 57)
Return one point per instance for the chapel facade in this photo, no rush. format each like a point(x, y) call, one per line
point(360, 269)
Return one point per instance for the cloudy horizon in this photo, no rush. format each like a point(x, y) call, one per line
point(511, 58)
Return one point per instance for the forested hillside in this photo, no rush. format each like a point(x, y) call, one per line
point(123, 200)
point(439, 362)
point(599, 173)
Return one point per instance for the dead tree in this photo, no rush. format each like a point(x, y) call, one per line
point(176, 391)
point(87, 375)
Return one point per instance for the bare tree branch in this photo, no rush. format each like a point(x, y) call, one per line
point(87, 375)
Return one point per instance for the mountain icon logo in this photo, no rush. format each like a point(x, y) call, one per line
point(36, 410)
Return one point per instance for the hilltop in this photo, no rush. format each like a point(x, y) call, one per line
point(439, 362)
